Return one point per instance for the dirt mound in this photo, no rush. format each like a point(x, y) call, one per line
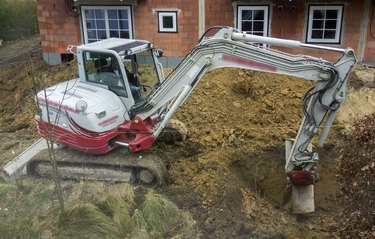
point(234, 158)
point(356, 177)
point(18, 85)
point(18, 52)
point(360, 96)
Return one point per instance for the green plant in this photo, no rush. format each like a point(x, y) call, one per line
point(17, 19)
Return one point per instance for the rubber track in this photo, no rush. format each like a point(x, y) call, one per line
point(117, 160)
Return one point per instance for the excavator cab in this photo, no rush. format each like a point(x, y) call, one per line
point(129, 68)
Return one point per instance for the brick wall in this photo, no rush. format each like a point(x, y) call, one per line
point(219, 13)
point(353, 17)
point(369, 54)
point(173, 44)
point(290, 23)
point(56, 27)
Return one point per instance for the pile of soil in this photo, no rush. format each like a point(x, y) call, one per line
point(234, 159)
point(229, 173)
point(360, 99)
point(356, 178)
point(22, 74)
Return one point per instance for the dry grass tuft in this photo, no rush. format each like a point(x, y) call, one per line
point(115, 215)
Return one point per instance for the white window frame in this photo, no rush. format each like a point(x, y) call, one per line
point(338, 29)
point(162, 14)
point(265, 8)
point(105, 8)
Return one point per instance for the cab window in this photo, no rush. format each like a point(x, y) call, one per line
point(104, 69)
point(144, 66)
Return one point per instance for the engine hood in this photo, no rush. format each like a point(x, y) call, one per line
point(86, 107)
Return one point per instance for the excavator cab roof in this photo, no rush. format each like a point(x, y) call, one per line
point(121, 46)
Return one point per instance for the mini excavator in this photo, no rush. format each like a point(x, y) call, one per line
point(121, 99)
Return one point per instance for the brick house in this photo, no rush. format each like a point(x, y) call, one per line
point(175, 25)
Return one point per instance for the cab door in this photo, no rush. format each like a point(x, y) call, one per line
point(105, 70)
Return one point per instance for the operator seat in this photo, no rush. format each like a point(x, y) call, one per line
point(100, 65)
point(135, 86)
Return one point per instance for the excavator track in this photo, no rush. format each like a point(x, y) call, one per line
point(116, 166)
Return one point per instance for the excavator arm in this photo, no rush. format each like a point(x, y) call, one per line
point(230, 48)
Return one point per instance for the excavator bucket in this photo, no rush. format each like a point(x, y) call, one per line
point(302, 194)
point(303, 198)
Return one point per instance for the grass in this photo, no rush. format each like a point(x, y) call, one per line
point(19, 203)
point(93, 210)
point(159, 214)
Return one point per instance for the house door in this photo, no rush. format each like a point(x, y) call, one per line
point(102, 22)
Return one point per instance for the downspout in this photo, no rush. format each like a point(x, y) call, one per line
point(201, 6)
point(363, 32)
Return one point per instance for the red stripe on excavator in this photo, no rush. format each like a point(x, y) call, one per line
point(249, 63)
point(83, 131)
point(89, 144)
point(99, 143)
point(108, 121)
point(58, 105)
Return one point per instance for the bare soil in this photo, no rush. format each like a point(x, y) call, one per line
point(229, 173)
point(16, 53)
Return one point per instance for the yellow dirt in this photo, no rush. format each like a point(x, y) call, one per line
point(234, 160)
point(360, 96)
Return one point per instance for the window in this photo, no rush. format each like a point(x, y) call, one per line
point(167, 21)
point(103, 68)
point(138, 70)
point(324, 25)
point(105, 22)
point(253, 20)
